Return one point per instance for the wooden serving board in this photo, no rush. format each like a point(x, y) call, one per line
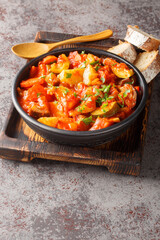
point(123, 155)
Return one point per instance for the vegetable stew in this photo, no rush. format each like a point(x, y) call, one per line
point(79, 92)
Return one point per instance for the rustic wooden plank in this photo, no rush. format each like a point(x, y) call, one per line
point(56, 37)
point(122, 155)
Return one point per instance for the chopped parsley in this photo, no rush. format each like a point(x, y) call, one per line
point(66, 91)
point(106, 89)
point(99, 100)
point(104, 106)
point(80, 108)
point(68, 75)
point(97, 91)
point(121, 105)
point(126, 93)
point(88, 120)
point(83, 52)
point(89, 99)
point(97, 67)
point(86, 97)
point(132, 81)
point(92, 63)
point(75, 94)
point(50, 85)
point(103, 79)
point(39, 94)
point(104, 99)
point(43, 76)
point(83, 65)
point(109, 98)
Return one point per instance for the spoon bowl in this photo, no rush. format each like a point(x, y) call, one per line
point(32, 50)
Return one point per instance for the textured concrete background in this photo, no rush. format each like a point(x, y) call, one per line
point(53, 200)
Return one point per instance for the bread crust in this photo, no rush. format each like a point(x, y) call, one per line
point(152, 69)
point(129, 52)
point(141, 39)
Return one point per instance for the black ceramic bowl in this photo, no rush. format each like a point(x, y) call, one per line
point(84, 138)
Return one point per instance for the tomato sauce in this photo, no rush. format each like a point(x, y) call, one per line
point(79, 92)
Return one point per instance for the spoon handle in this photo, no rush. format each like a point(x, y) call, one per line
point(88, 38)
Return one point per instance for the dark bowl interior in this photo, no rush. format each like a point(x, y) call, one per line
point(84, 138)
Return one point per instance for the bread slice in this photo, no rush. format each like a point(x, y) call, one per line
point(125, 50)
point(141, 39)
point(149, 64)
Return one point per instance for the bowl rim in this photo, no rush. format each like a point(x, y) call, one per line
point(114, 128)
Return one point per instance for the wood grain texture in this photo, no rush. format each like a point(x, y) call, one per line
point(123, 155)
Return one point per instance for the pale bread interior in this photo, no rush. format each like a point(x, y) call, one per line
point(142, 32)
point(119, 48)
point(145, 59)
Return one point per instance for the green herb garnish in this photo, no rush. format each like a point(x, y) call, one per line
point(83, 65)
point(92, 63)
point(83, 52)
point(75, 94)
point(80, 108)
point(97, 91)
point(97, 67)
point(132, 81)
point(65, 91)
point(88, 120)
point(106, 88)
point(68, 75)
point(99, 101)
point(103, 107)
point(126, 93)
point(43, 76)
point(50, 85)
point(109, 98)
point(38, 94)
point(89, 99)
point(121, 105)
point(86, 97)
point(103, 79)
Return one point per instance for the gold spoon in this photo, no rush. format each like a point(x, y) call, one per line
point(32, 50)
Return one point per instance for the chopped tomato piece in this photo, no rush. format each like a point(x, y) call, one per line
point(101, 123)
point(31, 81)
point(67, 124)
point(33, 72)
point(57, 109)
point(41, 70)
point(75, 59)
point(49, 59)
point(129, 95)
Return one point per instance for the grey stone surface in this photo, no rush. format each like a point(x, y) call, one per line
point(52, 200)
